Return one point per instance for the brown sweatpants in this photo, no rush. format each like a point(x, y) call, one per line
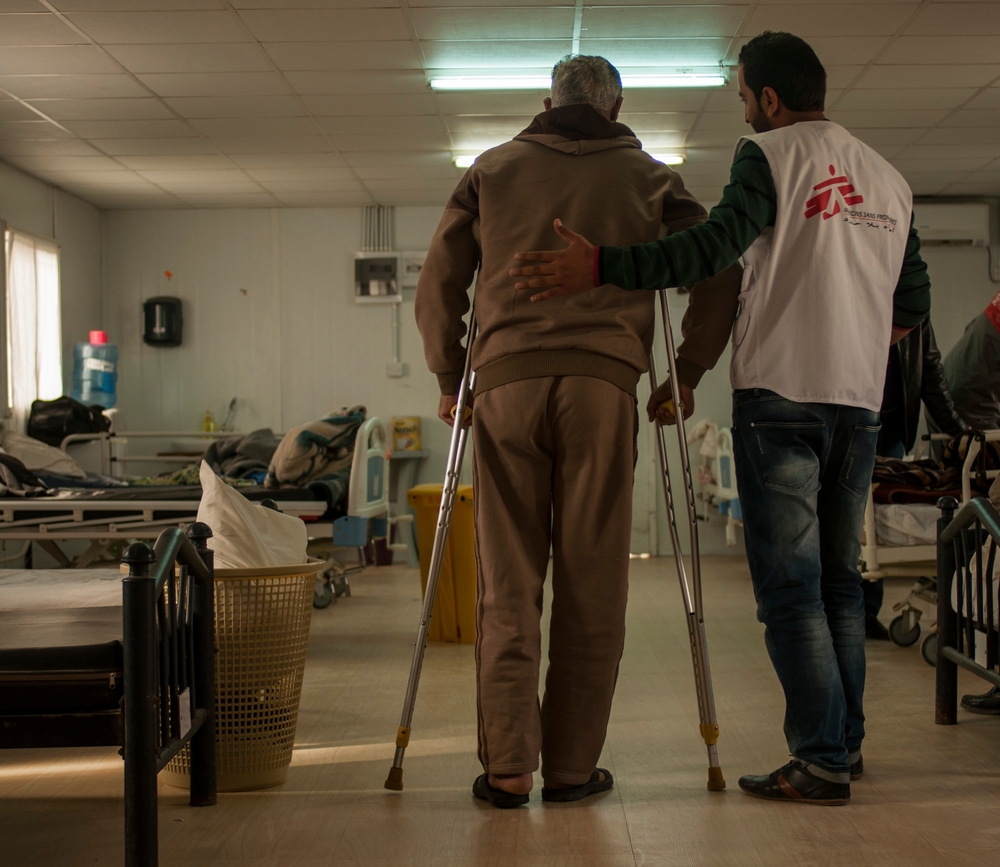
point(554, 464)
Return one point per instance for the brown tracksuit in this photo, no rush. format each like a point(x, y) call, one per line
point(554, 422)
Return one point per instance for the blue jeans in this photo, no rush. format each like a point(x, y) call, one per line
point(803, 471)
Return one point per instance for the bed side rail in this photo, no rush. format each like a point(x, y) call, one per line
point(966, 557)
point(169, 666)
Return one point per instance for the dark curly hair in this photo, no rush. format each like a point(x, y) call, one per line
point(789, 66)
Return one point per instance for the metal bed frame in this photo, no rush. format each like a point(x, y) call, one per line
point(166, 682)
point(966, 551)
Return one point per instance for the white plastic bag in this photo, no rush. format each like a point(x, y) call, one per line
point(245, 535)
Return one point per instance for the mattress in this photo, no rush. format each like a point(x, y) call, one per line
point(898, 525)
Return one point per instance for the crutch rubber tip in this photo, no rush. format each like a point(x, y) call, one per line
point(394, 782)
point(716, 782)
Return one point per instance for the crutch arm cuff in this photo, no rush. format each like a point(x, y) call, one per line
point(689, 372)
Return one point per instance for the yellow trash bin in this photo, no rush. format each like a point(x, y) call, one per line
point(454, 615)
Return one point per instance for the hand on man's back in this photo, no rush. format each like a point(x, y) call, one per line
point(563, 272)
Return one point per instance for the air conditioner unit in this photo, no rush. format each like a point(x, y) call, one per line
point(953, 224)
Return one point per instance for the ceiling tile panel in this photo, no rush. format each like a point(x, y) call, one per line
point(54, 59)
point(865, 119)
point(314, 186)
point(198, 199)
point(322, 4)
point(889, 136)
point(445, 172)
point(706, 138)
point(148, 108)
point(325, 25)
point(957, 19)
point(358, 84)
point(661, 21)
point(978, 117)
point(373, 104)
point(952, 164)
point(421, 124)
point(11, 109)
point(302, 173)
point(839, 50)
point(202, 57)
point(123, 28)
point(69, 86)
point(832, 19)
point(673, 120)
point(278, 144)
point(499, 54)
point(47, 147)
point(975, 188)
point(237, 106)
point(989, 98)
point(215, 83)
point(36, 28)
point(255, 126)
point(516, 4)
point(99, 129)
point(937, 75)
point(188, 177)
point(960, 135)
point(136, 5)
point(143, 146)
point(486, 127)
point(69, 165)
point(276, 160)
point(657, 52)
point(496, 103)
point(376, 143)
point(494, 23)
point(397, 158)
point(357, 55)
point(192, 162)
point(984, 150)
point(31, 129)
point(325, 200)
point(979, 50)
point(904, 98)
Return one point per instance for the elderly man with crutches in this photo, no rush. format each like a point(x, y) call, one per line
point(554, 425)
point(832, 276)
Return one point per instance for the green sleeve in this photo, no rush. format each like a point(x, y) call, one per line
point(748, 206)
point(911, 302)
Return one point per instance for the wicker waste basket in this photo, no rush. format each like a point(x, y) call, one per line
point(261, 632)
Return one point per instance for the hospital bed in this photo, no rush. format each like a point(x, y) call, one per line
point(108, 517)
point(93, 660)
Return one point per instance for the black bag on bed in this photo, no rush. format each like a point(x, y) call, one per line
point(53, 420)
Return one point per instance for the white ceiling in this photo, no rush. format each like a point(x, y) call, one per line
point(270, 103)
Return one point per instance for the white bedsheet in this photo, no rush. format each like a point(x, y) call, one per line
point(898, 525)
point(36, 589)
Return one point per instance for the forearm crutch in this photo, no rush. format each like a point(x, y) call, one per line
point(690, 590)
point(453, 468)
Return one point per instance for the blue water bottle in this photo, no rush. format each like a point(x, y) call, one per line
point(95, 371)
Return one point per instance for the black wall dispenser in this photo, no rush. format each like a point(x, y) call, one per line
point(162, 323)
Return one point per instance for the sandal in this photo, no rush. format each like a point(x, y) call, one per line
point(594, 785)
point(482, 789)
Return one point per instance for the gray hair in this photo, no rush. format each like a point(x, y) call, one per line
point(581, 78)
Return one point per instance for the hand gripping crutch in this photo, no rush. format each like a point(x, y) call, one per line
point(691, 590)
point(453, 468)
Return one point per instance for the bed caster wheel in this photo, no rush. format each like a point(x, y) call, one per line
point(322, 594)
point(339, 583)
point(901, 635)
point(928, 649)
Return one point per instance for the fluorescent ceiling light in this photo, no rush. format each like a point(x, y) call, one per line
point(707, 77)
point(463, 161)
point(669, 159)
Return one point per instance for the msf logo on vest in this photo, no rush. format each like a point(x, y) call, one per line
point(829, 194)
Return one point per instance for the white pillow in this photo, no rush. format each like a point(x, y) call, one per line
point(39, 456)
point(245, 535)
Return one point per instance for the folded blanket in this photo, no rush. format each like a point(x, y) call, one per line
point(241, 457)
point(16, 480)
point(318, 455)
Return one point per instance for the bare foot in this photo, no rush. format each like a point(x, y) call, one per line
point(515, 784)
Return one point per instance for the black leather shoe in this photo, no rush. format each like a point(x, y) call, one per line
point(988, 703)
point(858, 768)
point(875, 630)
point(795, 784)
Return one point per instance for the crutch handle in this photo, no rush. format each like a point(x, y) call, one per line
point(466, 415)
point(670, 407)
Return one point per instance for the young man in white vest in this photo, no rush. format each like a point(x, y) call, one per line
point(832, 277)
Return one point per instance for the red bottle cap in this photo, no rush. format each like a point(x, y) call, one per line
point(99, 337)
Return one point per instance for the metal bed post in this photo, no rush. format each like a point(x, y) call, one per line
point(140, 695)
point(203, 768)
point(946, 687)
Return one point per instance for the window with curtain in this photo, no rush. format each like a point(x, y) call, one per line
point(33, 323)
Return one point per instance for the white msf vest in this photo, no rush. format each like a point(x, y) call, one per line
point(815, 320)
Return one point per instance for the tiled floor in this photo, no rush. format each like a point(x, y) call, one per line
point(931, 795)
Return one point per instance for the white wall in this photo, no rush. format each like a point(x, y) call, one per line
point(33, 206)
point(269, 318)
